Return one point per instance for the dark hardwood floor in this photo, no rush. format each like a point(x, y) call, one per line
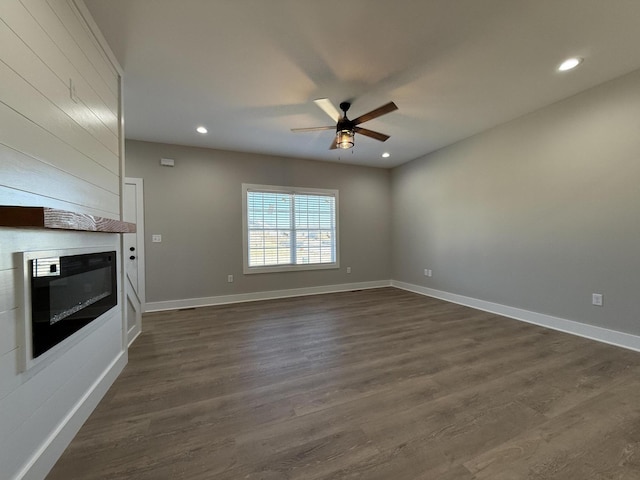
point(378, 385)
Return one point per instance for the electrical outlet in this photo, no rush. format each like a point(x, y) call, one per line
point(156, 238)
point(230, 278)
point(430, 273)
point(426, 272)
point(596, 299)
point(348, 269)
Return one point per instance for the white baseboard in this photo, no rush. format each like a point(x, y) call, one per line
point(604, 335)
point(256, 296)
point(45, 458)
point(134, 338)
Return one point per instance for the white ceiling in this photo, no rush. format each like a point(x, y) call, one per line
point(249, 70)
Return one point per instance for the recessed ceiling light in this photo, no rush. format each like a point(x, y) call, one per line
point(386, 155)
point(570, 64)
point(201, 130)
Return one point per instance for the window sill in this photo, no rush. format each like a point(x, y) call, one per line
point(291, 268)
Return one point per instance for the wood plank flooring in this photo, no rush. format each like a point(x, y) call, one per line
point(378, 385)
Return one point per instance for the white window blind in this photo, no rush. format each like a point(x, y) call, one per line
point(290, 228)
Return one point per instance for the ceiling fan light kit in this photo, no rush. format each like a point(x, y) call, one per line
point(345, 139)
point(345, 128)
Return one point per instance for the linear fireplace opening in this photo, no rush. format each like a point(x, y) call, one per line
point(65, 290)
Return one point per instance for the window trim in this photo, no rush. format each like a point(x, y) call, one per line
point(246, 269)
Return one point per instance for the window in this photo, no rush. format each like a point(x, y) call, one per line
point(289, 228)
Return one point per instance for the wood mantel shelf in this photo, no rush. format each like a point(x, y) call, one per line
point(53, 218)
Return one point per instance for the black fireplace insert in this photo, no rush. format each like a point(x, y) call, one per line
point(67, 293)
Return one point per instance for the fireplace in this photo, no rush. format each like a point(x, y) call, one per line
point(65, 291)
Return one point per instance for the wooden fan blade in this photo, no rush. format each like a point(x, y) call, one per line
point(328, 108)
point(334, 144)
point(370, 133)
point(389, 107)
point(313, 129)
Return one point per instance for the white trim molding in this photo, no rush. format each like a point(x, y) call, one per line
point(592, 332)
point(604, 335)
point(256, 296)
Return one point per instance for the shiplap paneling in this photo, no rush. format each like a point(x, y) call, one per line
point(65, 153)
point(33, 33)
point(13, 196)
point(41, 465)
point(79, 31)
point(26, 173)
point(26, 137)
point(35, 428)
point(24, 402)
point(102, 79)
point(28, 240)
point(9, 378)
point(8, 300)
point(105, 86)
point(8, 331)
point(38, 74)
point(23, 98)
point(27, 411)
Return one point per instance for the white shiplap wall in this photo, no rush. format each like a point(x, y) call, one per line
point(56, 150)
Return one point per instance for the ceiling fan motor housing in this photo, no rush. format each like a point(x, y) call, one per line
point(344, 123)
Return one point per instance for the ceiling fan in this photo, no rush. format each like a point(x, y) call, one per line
point(345, 128)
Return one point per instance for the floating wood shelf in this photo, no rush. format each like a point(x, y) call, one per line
point(53, 218)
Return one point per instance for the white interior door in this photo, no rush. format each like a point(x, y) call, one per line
point(133, 253)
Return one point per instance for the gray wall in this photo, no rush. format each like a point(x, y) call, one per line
point(197, 208)
point(538, 213)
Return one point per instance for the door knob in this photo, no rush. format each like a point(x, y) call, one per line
point(132, 257)
point(133, 249)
